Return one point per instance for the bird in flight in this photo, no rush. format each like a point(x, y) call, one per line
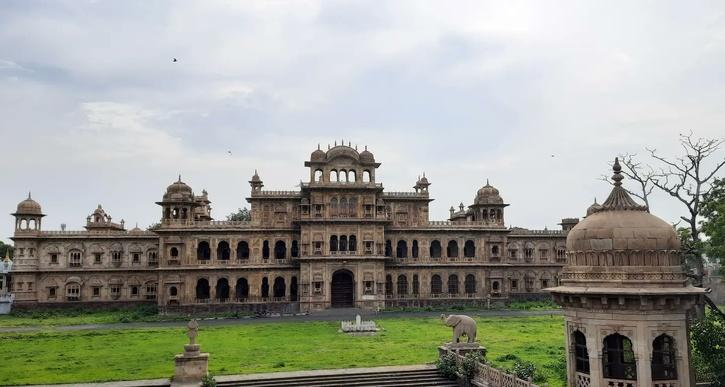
point(174, 60)
point(230, 152)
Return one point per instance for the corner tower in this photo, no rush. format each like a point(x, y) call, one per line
point(625, 298)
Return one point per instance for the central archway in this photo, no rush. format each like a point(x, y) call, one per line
point(343, 289)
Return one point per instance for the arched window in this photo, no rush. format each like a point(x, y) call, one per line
point(495, 286)
point(366, 176)
point(293, 289)
point(414, 249)
point(494, 251)
point(243, 250)
point(202, 289)
point(435, 249)
point(333, 243)
point(436, 285)
point(351, 176)
point(402, 249)
point(75, 259)
point(222, 290)
point(333, 207)
point(402, 285)
point(388, 248)
point(31, 224)
point(223, 251)
point(389, 285)
point(318, 175)
point(663, 358)
point(265, 250)
point(452, 249)
point(343, 243)
point(343, 207)
point(295, 250)
point(279, 287)
point(242, 289)
point(352, 243)
point(203, 251)
point(452, 284)
point(174, 252)
point(618, 358)
point(333, 176)
point(469, 249)
point(470, 284)
point(352, 208)
point(173, 292)
point(265, 287)
point(581, 354)
point(280, 250)
point(416, 284)
point(73, 291)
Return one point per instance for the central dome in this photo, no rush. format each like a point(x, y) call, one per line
point(29, 207)
point(488, 194)
point(342, 151)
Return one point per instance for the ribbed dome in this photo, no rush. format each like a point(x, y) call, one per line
point(488, 195)
point(29, 207)
point(621, 243)
point(594, 207)
point(367, 156)
point(317, 155)
point(342, 151)
point(178, 191)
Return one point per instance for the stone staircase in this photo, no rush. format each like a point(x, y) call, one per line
point(405, 376)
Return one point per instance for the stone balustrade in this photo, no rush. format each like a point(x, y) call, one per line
point(487, 376)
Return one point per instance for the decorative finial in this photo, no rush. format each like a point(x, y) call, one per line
point(366, 147)
point(335, 142)
point(29, 195)
point(595, 200)
point(617, 177)
point(349, 144)
point(179, 178)
point(423, 173)
point(318, 146)
point(487, 181)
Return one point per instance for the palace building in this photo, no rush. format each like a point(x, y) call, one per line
point(341, 240)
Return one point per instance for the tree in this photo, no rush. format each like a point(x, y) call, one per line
point(708, 344)
point(6, 250)
point(713, 210)
point(685, 178)
point(242, 215)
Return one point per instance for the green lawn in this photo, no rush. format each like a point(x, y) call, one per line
point(90, 356)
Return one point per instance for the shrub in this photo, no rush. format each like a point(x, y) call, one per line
point(469, 364)
point(558, 368)
point(708, 344)
point(524, 370)
point(208, 381)
point(447, 366)
point(507, 357)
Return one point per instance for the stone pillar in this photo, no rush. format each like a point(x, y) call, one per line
point(192, 365)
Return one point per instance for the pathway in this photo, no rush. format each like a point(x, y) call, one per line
point(327, 315)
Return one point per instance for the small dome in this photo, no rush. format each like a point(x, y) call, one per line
point(255, 177)
point(366, 156)
point(178, 191)
point(488, 194)
point(318, 155)
point(136, 230)
point(594, 207)
point(29, 207)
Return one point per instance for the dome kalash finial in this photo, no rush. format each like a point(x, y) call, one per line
point(619, 198)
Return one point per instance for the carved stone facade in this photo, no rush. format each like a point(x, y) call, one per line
point(340, 240)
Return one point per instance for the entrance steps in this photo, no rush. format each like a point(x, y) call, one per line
point(401, 376)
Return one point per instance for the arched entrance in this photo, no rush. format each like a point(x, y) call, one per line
point(343, 289)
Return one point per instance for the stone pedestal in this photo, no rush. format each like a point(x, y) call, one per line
point(191, 366)
point(462, 348)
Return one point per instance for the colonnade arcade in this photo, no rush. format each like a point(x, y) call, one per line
point(615, 359)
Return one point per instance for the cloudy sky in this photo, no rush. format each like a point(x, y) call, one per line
point(93, 110)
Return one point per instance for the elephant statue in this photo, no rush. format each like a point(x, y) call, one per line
point(462, 325)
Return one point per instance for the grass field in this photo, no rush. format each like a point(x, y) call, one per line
point(103, 355)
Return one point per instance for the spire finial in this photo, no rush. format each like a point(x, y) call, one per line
point(423, 173)
point(487, 181)
point(179, 178)
point(366, 147)
point(595, 200)
point(318, 146)
point(335, 142)
point(617, 177)
point(29, 195)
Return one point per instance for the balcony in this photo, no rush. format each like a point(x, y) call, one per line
point(620, 383)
